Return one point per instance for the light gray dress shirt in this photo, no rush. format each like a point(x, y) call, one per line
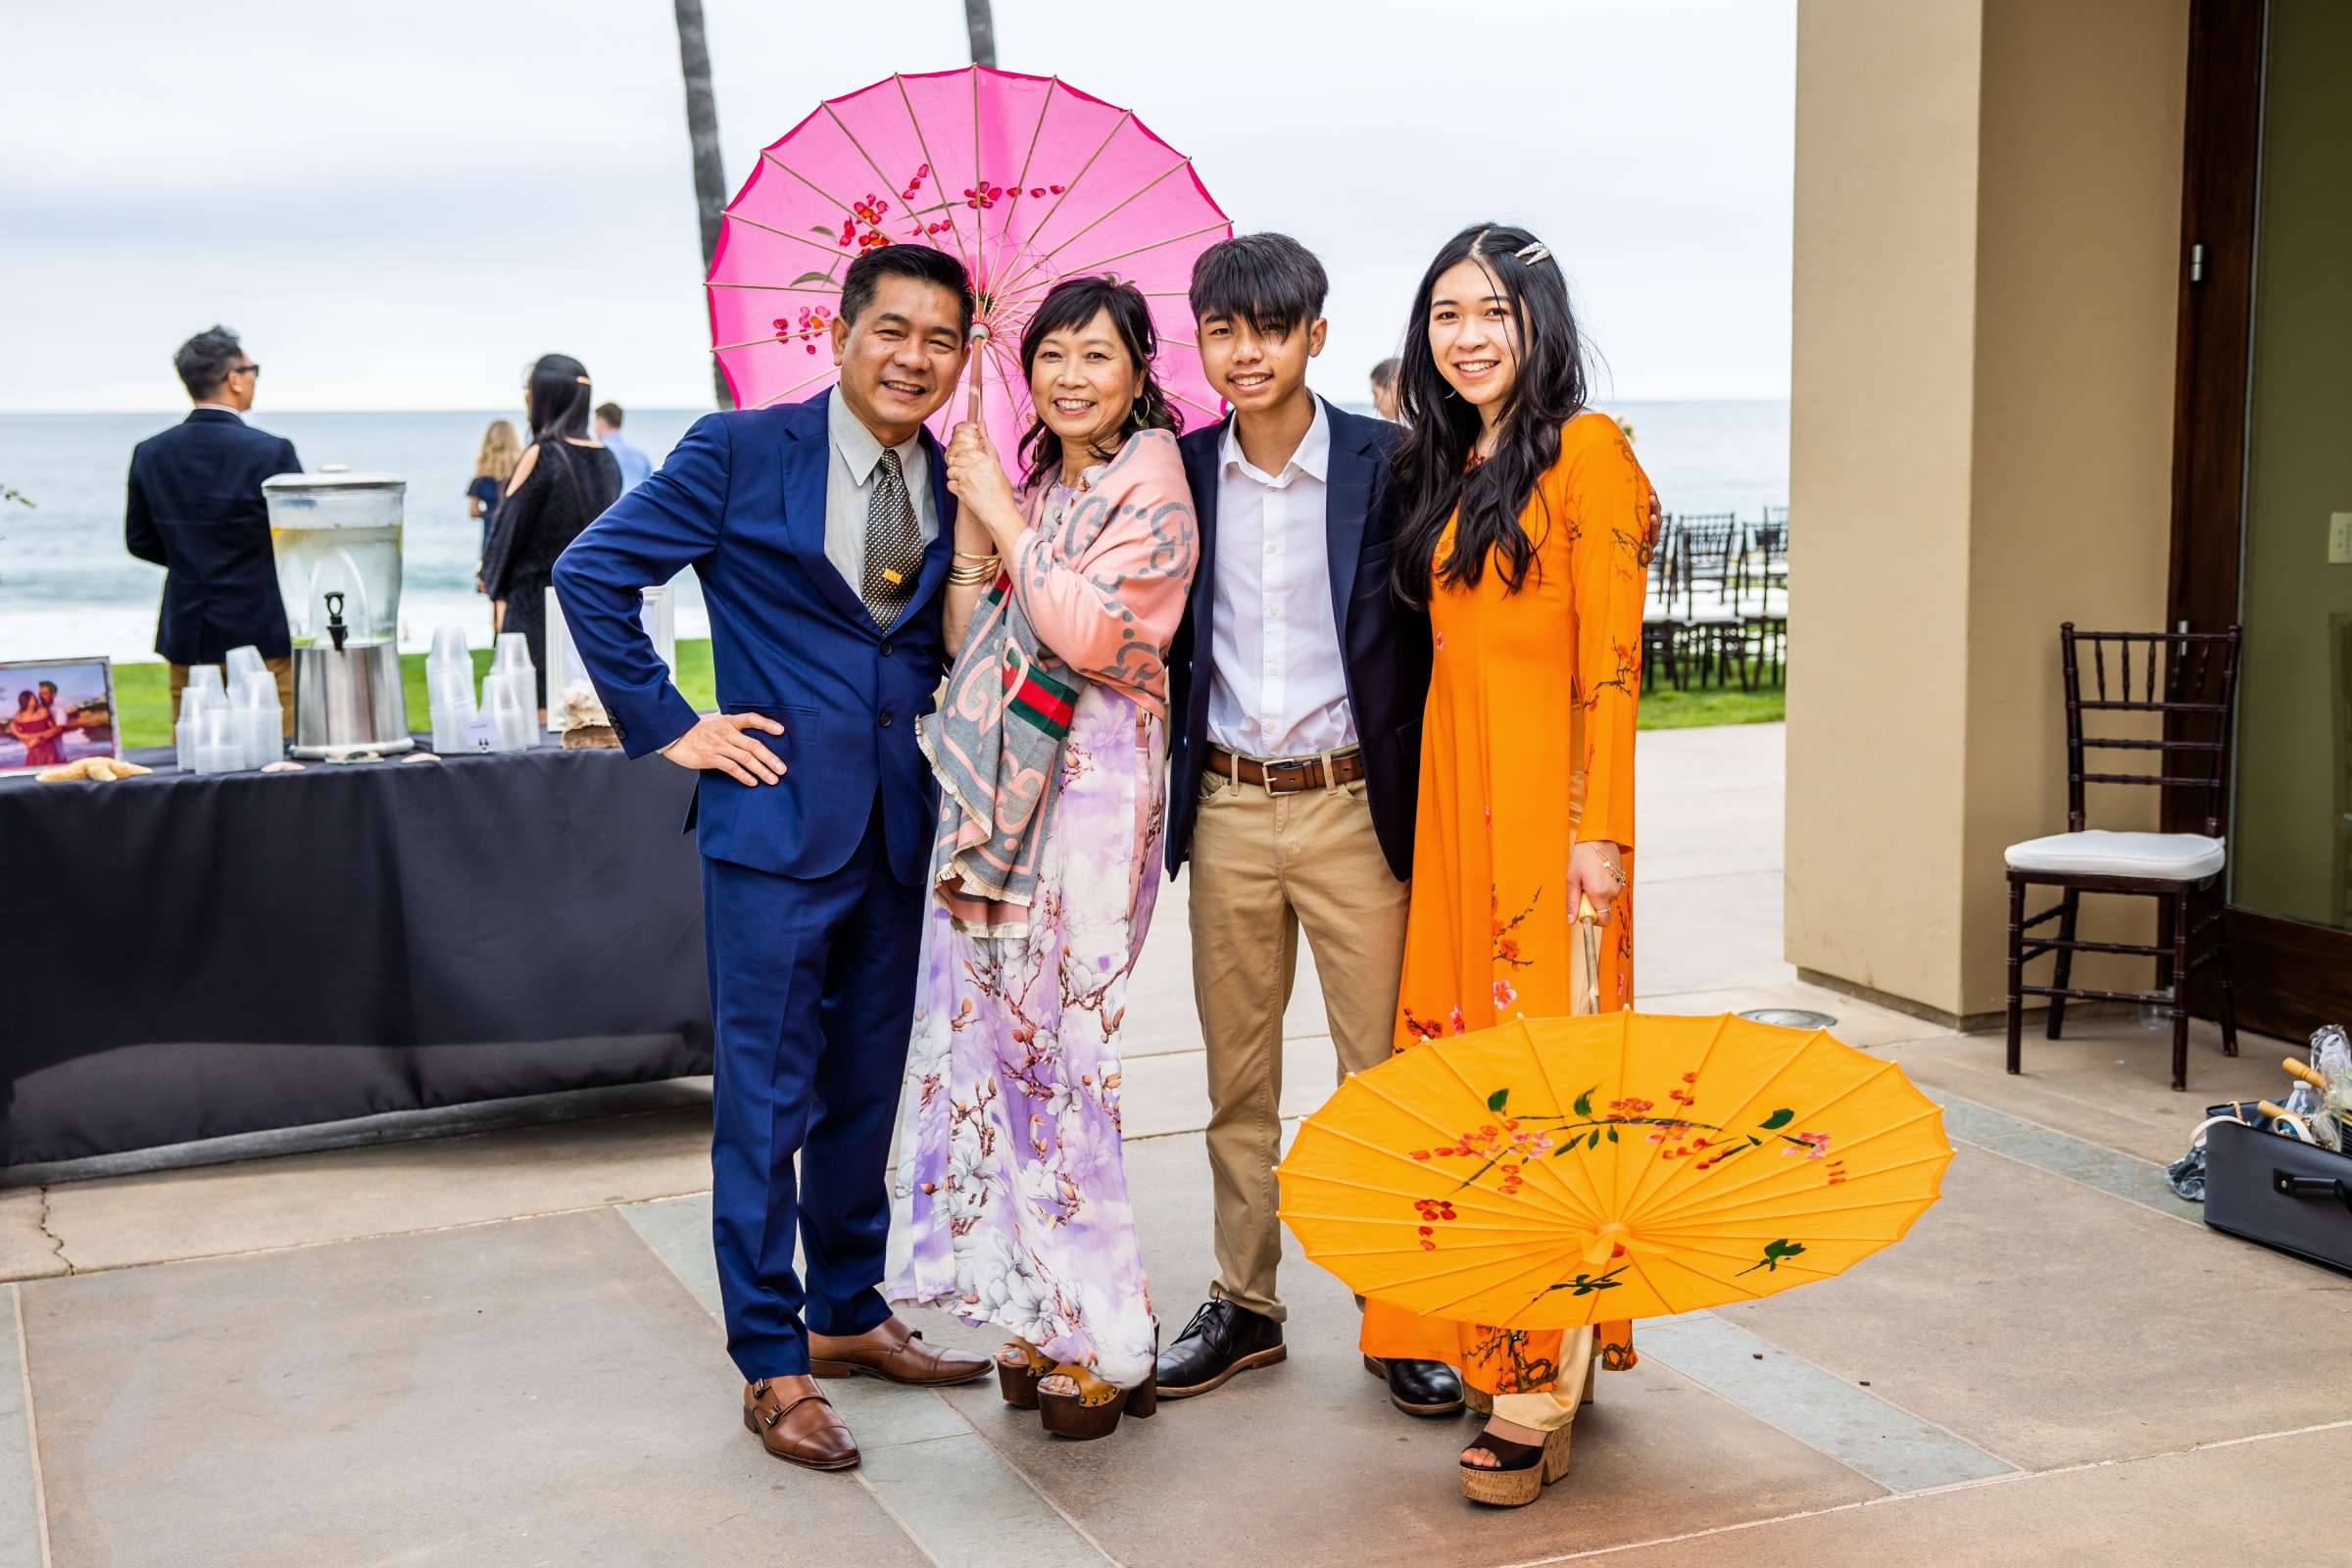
point(848, 487)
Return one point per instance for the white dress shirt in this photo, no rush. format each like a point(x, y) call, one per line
point(1278, 687)
point(848, 487)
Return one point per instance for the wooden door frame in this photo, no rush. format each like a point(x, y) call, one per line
point(2290, 975)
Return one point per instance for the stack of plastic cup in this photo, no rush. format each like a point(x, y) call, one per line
point(449, 688)
point(515, 654)
point(219, 746)
point(204, 692)
point(260, 722)
point(514, 660)
point(507, 699)
point(253, 696)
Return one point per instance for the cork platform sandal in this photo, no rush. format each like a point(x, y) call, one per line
point(1522, 1471)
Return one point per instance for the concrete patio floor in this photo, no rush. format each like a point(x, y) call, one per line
point(500, 1346)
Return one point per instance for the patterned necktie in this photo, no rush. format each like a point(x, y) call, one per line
point(894, 543)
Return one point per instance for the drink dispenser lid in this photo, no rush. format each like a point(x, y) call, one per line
point(332, 478)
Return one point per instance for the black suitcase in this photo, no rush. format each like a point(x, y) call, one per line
point(2280, 1192)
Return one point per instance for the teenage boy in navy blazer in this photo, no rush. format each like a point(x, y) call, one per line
point(1299, 680)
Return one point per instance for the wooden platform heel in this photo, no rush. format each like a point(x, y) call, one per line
point(1019, 1370)
point(1089, 1407)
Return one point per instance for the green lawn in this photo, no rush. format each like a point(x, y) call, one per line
point(143, 703)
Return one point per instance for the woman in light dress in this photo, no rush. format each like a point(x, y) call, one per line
point(1050, 747)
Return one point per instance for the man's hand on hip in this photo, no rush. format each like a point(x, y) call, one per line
point(718, 741)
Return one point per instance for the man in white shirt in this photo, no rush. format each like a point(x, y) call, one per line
point(1295, 708)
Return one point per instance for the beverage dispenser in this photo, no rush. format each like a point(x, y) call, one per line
point(337, 540)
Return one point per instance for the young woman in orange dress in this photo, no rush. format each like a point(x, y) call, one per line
point(1527, 533)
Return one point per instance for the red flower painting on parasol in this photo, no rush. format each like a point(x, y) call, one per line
point(1024, 179)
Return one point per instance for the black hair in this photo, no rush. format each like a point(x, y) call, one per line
point(1385, 372)
point(924, 263)
point(203, 360)
point(1269, 280)
point(1431, 465)
point(609, 413)
point(1072, 304)
point(560, 396)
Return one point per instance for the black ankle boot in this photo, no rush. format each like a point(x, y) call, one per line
point(1222, 1339)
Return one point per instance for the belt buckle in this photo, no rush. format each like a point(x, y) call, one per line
point(1299, 765)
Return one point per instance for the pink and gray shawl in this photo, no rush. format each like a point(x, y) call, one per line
point(1095, 591)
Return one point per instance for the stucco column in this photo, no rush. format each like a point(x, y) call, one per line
point(1985, 286)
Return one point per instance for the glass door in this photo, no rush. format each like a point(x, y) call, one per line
point(2291, 834)
point(2263, 470)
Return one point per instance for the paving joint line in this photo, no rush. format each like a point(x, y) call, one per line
point(2040, 1127)
point(969, 1426)
point(857, 1475)
point(33, 1426)
point(2014, 1478)
point(82, 1270)
point(1852, 1384)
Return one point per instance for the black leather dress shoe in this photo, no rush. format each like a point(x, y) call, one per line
point(1419, 1387)
point(1222, 1339)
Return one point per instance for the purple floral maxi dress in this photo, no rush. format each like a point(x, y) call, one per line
point(1009, 1199)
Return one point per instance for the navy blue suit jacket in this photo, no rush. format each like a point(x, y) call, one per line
point(195, 508)
point(1384, 643)
point(742, 501)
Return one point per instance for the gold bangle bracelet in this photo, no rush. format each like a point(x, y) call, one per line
point(967, 554)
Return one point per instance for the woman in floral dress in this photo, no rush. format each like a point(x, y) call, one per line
point(1527, 533)
point(1050, 747)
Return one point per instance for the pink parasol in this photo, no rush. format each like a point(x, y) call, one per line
point(1024, 179)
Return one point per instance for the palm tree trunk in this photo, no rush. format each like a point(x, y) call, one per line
point(983, 27)
point(702, 130)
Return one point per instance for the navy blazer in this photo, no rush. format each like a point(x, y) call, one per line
point(195, 508)
point(1384, 643)
point(742, 501)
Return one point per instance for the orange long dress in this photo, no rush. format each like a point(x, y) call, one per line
point(1530, 706)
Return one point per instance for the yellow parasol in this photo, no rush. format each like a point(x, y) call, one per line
point(1562, 1171)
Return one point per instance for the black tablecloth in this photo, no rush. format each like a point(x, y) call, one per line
point(185, 956)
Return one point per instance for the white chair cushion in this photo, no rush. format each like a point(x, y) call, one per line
point(2096, 852)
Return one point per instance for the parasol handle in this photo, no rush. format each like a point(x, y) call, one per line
point(979, 341)
point(2309, 1075)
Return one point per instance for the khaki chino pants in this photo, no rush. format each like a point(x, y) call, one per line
point(1264, 865)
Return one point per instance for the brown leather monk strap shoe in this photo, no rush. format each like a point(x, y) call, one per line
point(891, 1350)
point(796, 1423)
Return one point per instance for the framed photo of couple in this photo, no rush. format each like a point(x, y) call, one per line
point(55, 711)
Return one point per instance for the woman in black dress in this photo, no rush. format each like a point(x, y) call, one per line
point(563, 480)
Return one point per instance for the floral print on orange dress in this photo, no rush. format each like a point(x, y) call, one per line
point(1527, 749)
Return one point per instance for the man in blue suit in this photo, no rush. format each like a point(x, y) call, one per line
point(195, 508)
point(821, 532)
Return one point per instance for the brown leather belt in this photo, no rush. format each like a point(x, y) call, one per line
point(1287, 775)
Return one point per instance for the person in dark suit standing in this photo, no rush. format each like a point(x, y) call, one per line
point(195, 508)
point(1295, 713)
point(821, 532)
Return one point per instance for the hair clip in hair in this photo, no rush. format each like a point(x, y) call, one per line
point(1532, 252)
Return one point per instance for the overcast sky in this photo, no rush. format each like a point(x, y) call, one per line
point(399, 206)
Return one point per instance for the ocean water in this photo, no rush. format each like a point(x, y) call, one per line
point(68, 588)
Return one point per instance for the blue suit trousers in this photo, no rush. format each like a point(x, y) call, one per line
point(812, 983)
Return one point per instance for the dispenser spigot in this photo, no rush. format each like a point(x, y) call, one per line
point(336, 630)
